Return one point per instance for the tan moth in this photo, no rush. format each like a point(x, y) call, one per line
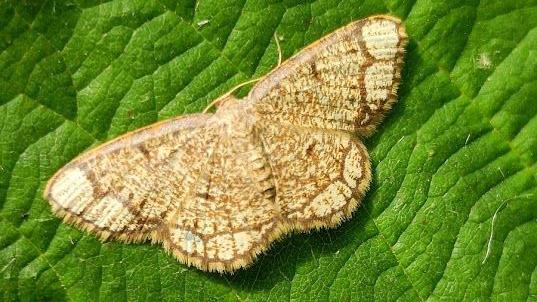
point(217, 189)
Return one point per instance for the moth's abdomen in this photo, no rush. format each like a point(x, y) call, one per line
point(229, 214)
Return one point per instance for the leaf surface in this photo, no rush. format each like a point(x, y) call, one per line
point(452, 210)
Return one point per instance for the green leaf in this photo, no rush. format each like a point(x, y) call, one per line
point(452, 212)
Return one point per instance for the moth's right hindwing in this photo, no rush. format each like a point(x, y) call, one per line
point(320, 176)
point(345, 81)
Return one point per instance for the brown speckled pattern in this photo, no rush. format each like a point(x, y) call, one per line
point(217, 189)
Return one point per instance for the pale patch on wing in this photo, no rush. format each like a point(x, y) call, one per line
point(381, 38)
point(220, 247)
point(71, 189)
point(243, 241)
point(188, 241)
point(378, 82)
point(331, 199)
point(106, 211)
point(352, 171)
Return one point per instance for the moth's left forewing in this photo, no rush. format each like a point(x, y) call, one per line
point(124, 188)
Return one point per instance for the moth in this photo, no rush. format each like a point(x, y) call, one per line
point(216, 189)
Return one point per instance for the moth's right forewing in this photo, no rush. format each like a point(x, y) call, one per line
point(345, 81)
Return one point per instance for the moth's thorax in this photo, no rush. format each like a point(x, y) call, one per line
point(235, 115)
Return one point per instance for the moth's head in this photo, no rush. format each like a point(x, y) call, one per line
point(225, 102)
